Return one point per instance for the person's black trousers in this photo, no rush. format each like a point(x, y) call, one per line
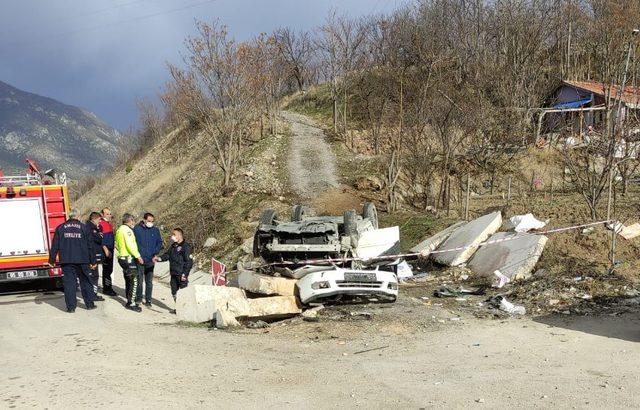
point(94, 274)
point(176, 284)
point(130, 273)
point(145, 274)
point(107, 270)
point(72, 273)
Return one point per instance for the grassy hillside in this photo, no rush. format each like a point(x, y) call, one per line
point(177, 181)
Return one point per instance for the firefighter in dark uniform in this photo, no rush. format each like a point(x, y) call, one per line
point(180, 262)
point(71, 244)
point(96, 248)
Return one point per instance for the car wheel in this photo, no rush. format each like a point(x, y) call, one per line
point(269, 217)
point(350, 223)
point(370, 212)
point(298, 214)
point(256, 245)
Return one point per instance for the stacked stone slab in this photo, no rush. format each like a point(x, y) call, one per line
point(199, 303)
point(266, 285)
point(203, 303)
point(465, 240)
point(513, 254)
point(430, 244)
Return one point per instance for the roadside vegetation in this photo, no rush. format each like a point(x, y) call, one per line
point(426, 107)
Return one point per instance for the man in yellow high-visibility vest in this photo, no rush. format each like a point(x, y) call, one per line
point(128, 257)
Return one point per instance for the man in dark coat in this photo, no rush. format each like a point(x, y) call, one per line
point(180, 261)
point(95, 248)
point(149, 244)
point(71, 244)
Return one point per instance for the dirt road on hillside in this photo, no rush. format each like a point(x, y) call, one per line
point(312, 164)
point(115, 358)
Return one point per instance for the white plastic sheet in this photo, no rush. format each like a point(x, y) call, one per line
point(525, 223)
point(404, 270)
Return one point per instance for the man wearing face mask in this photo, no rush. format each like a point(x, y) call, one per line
point(108, 243)
point(128, 259)
point(96, 248)
point(180, 262)
point(149, 244)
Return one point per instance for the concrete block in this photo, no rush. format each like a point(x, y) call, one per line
point(161, 272)
point(199, 303)
point(225, 319)
point(200, 278)
point(430, 244)
point(274, 307)
point(266, 285)
point(469, 236)
point(630, 232)
point(514, 258)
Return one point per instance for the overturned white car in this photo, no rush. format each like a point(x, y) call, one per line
point(335, 258)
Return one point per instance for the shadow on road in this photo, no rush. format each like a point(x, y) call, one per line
point(624, 327)
point(123, 300)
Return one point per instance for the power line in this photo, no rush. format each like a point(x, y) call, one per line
point(78, 16)
point(131, 20)
point(140, 18)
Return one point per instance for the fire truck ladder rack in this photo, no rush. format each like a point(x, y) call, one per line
point(19, 180)
point(48, 200)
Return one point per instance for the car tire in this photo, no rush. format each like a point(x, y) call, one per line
point(370, 212)
point(298, 213)
point(268, 217)
point(256, 245)
point(350, 223)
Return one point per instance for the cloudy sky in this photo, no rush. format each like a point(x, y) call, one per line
point(103, 54)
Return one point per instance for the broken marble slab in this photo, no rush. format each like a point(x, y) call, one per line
point(465, 240)
point(513, 254)
point(430, 244)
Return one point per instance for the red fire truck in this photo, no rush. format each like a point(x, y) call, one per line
point(31, 207)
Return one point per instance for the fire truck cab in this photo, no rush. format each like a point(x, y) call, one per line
point(31, 207)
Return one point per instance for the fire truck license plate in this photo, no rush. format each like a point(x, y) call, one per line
point(22, 275)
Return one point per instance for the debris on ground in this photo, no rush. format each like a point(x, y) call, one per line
point(627, 232)
point(503, 304)
point(500, 279)
point(524, 223)
point(466, 239)
point(514, 255)
point(445, 292)
point(312, 314)
point(403, 270)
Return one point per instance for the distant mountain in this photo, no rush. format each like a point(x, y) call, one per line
point(53, 134)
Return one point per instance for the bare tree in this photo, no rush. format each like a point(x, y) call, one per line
point(215, 91)
point(295, 50)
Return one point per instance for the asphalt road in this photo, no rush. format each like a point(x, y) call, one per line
point(114, 358)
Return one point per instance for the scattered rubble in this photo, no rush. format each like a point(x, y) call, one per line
point(503, 304)
point(524, 223)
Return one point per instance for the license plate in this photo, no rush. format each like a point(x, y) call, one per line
point(22, 275)
point(360, 277)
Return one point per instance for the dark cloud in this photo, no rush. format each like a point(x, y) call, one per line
point(101, 55)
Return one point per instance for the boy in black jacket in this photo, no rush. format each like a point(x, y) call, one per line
point(180, 261)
